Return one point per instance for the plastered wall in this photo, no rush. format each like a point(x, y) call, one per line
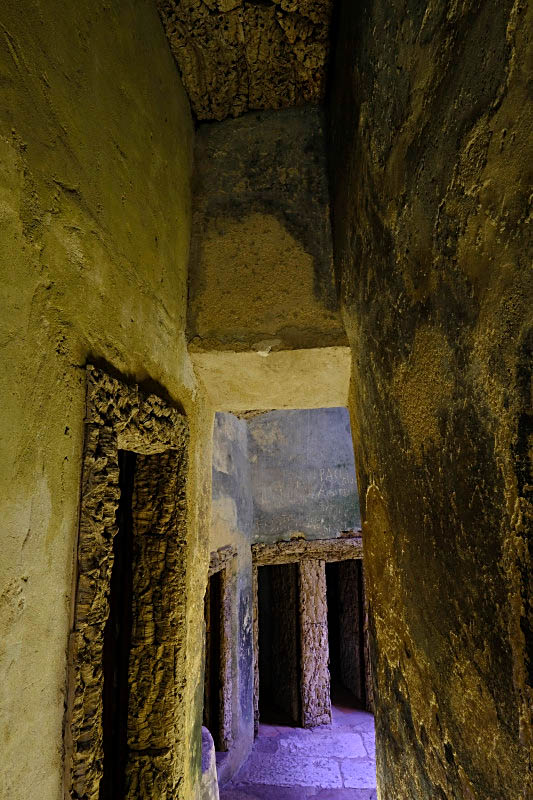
point(302, 474)
point(231, 524)
point(95, 162)
point(431, 160)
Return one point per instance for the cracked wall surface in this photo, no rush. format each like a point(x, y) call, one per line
point(241, 55)
point(432, 152)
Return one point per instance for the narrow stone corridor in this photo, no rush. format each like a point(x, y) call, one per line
point(333, 762)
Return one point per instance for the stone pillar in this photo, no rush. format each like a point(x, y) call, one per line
point(315, 688)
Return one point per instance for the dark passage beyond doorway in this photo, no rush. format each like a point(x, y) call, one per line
point(279, 645)
point(117, 641)
point(344, 581)
point(212, 675)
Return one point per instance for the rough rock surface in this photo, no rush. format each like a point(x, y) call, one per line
point(240, 55)
point(432, 154)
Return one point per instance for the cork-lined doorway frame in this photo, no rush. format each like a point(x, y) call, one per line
point(218, 673)
point(122, 418)
point(311, 557)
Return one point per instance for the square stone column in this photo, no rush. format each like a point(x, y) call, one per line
point(314, 650)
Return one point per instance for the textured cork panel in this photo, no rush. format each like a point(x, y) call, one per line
point(241, 55)
point(313, 611)
point(226, 670)
point(122, 417)
point(298, 549)
point(158, 609)
point(221, 558)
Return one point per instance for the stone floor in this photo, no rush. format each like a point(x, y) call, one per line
point(334, 762)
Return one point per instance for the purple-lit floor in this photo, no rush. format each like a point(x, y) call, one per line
point(333, 762)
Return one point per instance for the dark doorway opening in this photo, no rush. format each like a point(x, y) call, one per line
point(213, 684)
point(117, 641)
point(345, 597)
point(279, 645)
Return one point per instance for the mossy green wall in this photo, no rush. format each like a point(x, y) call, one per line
point(432, 154)
point(95, 163)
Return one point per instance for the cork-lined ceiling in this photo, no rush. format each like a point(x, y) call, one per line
point(243, 55)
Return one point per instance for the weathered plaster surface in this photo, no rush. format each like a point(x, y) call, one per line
point(231, 521)
point(236, 55)
point(432, 154)
point(302, 474)
point(317, 377)
point(95, 155)
point(261, 272)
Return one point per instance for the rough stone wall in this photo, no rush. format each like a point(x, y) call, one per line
point(314, 652)
point(302, 474)
point(431, 150)
point(95, 155)
point(236, 55)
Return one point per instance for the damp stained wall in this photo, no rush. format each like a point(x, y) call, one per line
point(431, 167)
point(302, 474)
point(96, 144)
point(231, 524)
point(261, 275)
